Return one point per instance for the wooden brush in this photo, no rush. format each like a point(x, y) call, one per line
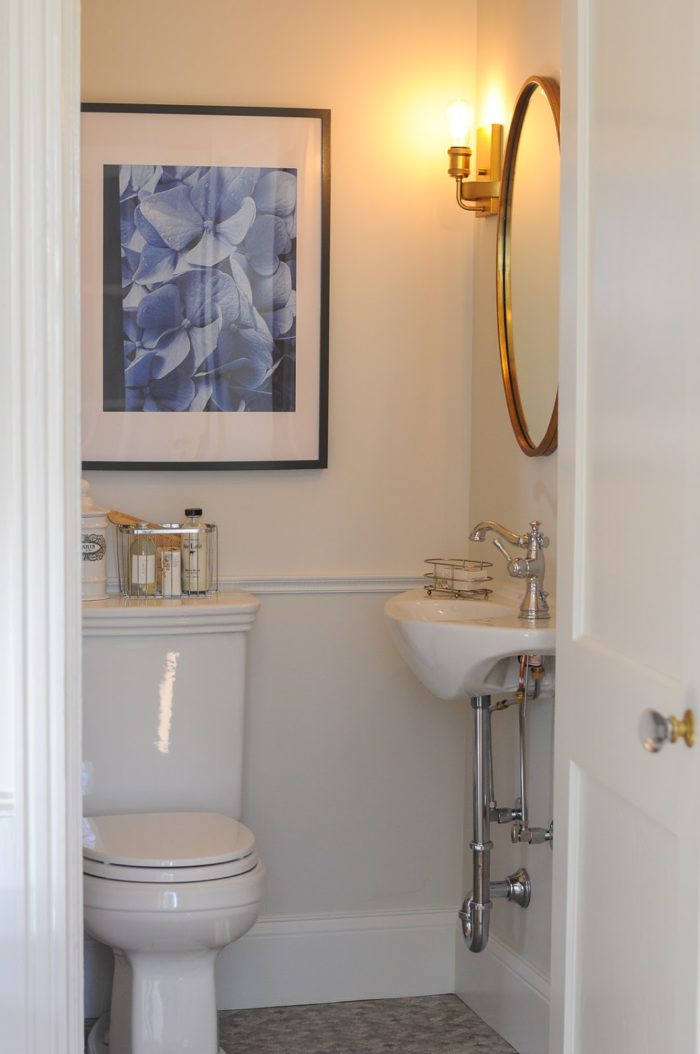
point(123, 519)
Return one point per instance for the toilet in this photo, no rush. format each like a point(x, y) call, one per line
point(171, 875)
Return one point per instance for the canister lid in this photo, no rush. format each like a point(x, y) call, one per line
point(88, 506)
point(193, 512)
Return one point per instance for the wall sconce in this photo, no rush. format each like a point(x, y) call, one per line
point(478, 195)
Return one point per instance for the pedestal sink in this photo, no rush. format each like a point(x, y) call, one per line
point(460, 648)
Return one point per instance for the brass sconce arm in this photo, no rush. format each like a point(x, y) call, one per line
point(483, 193)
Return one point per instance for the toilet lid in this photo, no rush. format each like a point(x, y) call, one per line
point(167, 847)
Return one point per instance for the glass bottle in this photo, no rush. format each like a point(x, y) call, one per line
point(142, 565)
point(195, 554)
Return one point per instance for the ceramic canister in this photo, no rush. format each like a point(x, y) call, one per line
point(94, 548)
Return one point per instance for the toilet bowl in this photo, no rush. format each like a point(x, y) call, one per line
point(166, 891)
point(170, 875)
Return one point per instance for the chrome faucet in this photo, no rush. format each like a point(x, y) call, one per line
point(534, 603)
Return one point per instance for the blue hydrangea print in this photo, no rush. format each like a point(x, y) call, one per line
point(200, 289)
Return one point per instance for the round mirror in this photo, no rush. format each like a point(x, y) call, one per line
point(528, 267)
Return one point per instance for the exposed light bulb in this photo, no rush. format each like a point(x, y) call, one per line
point(460, 118)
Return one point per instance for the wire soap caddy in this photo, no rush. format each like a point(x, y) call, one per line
point(456, 577)
point(170, 560)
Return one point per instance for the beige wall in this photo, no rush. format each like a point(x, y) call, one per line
point(354, 774)
point(396, 489)
point(515, 40)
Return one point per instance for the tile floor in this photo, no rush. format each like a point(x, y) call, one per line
point(436, 1024)
point(430, 1024)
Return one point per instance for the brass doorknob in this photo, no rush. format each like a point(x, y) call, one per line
point(655, 730)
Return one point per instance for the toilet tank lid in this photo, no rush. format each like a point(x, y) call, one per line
point(166, 839)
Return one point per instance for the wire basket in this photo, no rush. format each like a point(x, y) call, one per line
point(167, 561)
point(455, 577)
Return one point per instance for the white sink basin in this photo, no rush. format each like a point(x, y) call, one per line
point(462, 648)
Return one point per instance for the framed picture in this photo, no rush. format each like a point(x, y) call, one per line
point(205, 259)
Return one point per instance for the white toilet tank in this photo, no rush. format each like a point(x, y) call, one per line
point(163, 703)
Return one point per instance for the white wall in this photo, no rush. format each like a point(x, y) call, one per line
point(354, 774)
point(508, 984)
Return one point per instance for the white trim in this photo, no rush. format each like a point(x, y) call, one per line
point(285, 961)
point(292, 960)
point(262, 585)
point(223, 612)
point(40, 881)
point(325, 584)
point(508, 992)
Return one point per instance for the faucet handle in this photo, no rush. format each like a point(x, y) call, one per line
point(536, 533)
point(502, 549)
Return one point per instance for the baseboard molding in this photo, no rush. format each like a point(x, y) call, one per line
point(287, 961)
point(508, 992)
point(318, 959)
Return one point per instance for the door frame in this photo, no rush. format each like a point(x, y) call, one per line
point(40, 810)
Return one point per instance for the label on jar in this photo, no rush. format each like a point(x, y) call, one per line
point(195, 563)
point(170, 572)
point(94, 547)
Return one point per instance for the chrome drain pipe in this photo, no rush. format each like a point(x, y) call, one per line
point(476, 909)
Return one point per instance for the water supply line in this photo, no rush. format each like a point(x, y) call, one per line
point(476, 908)
point(521, 832)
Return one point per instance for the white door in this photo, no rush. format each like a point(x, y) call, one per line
point(40, 857)
point(627, 822)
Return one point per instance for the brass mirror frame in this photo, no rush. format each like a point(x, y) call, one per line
point(548, 443)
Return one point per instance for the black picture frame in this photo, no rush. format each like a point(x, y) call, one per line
point(166, 190)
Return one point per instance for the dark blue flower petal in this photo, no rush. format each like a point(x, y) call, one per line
point(134, 297)
point(220, 191)
point(271, 292)
point(222, 396)
point(133, 399)
point(218, 241)
point(159, 312)
point(147, 230)
point(203, 390)
point(280, 322)
point(234, 229)
point(138, 373)
point(276, 192)
point(124, 180)
point(127, 224)
point(236, 264)
point(171, 352)
point(236, 344)
point(132, 332)
point(174, 217)
point(174, 392)
point(156, 265)
point(207, 295)
point(204, 339)
point(209, 250)
point(260, 402)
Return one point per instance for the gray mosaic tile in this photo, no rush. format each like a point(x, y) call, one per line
point(439, 1024)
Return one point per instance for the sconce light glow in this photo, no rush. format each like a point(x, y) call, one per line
point(493, 106)
point(460, 119)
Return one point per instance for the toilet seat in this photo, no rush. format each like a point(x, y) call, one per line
point(167, 847)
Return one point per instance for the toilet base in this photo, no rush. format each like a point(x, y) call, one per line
point(98, 1039)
